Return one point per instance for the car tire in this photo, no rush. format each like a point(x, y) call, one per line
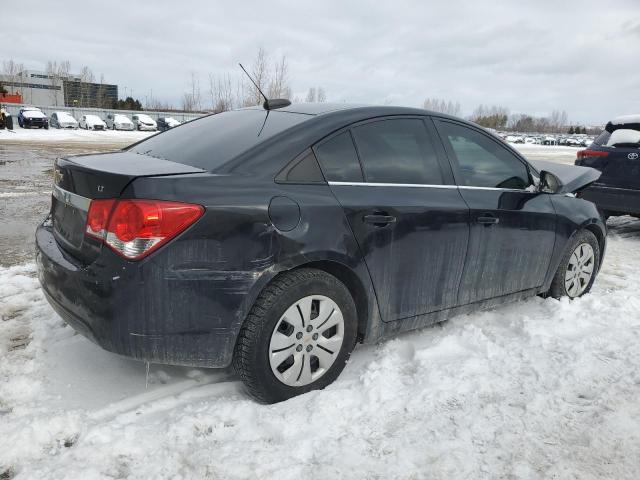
point(578, 268)
point(271, 378)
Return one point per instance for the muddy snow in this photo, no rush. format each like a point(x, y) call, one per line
point(536, 389)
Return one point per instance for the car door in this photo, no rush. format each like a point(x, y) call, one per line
point(513, 225)
point(405, 212)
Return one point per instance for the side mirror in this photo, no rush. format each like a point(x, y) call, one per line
point(549, 183)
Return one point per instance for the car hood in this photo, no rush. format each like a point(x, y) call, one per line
point(573, 178)
point(33, 114)
point(94, 121)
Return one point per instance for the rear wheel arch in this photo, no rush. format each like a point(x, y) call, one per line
point(342, 272)
point(357, 290)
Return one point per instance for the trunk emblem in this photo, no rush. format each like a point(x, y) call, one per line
point(101, 188)
point(633, 156)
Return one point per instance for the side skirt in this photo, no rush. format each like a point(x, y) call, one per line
point(387, 329)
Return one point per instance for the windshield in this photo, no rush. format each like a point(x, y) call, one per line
point(145, 118)
point(212, 141)
point(65, 116)
point(121, 118)
point(93, 118)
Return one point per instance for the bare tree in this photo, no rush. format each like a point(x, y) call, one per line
point(278, 82)
point(192, 100)
point(558, 121)
point(322, 96)
point(260, 75)
point(221, 92)
point(13, 71)
point(229, 91)
point(442, 106)
point(312, 95)
point(86, 77)
point(57, 73)
point(494, 116)
point(188, 104)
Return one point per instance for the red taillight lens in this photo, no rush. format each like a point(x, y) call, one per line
point(591, 153)
point(98, 216)
point(135, 228)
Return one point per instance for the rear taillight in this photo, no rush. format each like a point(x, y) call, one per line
point(591, 153)
point(135, 228)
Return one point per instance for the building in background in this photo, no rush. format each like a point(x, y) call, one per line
point(41, 89)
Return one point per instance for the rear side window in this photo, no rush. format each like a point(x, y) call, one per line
point(339, 159)
point(483, 162)
point(214, 140)
point(397, 151)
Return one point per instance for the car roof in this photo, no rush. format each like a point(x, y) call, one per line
point(626, 119)
point(323, 108)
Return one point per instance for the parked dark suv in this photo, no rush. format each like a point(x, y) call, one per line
point(616, 153)
point(275, 240)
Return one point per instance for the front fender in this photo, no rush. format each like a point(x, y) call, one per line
point(573, 215)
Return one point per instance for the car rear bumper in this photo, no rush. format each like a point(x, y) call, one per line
point(134, 308)
point(613, 200)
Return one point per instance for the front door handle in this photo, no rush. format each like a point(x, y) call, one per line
point(488, 220)
point(379, 219)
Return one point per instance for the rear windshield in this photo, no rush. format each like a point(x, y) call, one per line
point(212, 141)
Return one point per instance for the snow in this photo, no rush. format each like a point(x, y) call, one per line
point(536, 389)
point(625, 119)
point(623, 135)
point(57, 136)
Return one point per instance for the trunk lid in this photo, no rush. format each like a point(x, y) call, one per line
point(79, 179)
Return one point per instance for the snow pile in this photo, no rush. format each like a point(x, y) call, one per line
point(537, 389)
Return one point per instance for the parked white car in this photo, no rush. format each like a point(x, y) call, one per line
point(63, 120)
point(144, 122)
point(118, 121)
point(92, 122)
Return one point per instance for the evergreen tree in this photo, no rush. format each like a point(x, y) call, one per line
point(571, 130)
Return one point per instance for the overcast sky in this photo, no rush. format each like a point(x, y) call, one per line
point(579, 56)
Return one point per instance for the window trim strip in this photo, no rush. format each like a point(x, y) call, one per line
point(421, 185)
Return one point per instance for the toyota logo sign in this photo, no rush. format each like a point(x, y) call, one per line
point(632, 156)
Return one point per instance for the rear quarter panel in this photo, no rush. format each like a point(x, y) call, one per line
point(223, 262)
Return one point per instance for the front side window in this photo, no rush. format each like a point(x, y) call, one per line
point(397, 151)
point(339, 159)
point(481, 161)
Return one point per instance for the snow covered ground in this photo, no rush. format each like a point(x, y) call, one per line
point(537, 389)
point(57, 136)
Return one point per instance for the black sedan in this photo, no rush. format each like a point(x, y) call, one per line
point(276, 240)
point(616, 153)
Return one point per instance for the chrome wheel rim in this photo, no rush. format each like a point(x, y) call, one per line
point(579, 270)
point(306, 340)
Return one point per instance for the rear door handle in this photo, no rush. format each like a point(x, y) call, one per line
point(488, 220)
point(379, 219)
